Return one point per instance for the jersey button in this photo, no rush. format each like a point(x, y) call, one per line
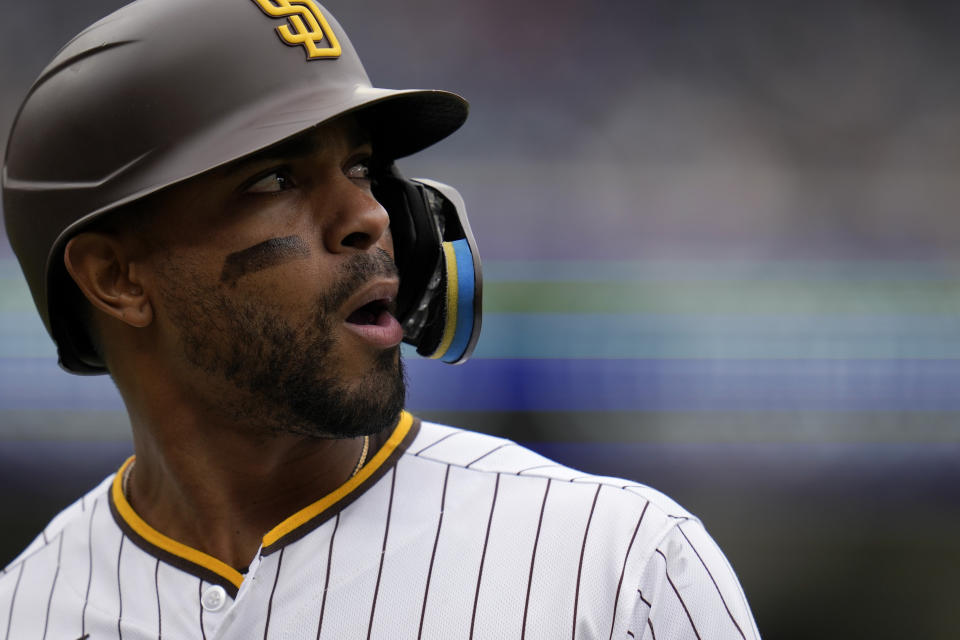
point(213, 598)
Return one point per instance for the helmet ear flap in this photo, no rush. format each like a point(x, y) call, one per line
point(439, 303)
point(76, 349)
point(416, 235)
point(460, 306)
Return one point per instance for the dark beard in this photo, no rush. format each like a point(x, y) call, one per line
point(287, 374)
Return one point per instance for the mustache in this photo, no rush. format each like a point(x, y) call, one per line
point(359, 270)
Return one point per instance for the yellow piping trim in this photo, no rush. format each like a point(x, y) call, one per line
point(157, 539)
point(308, 513)
point(450, 326)
point(301, 517)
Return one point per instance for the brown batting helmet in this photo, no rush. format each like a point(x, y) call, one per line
point(163, 90)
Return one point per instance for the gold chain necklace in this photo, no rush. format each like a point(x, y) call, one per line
point(363, 455)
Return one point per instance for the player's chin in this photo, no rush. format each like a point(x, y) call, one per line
point(389, 384)
point(386, 377)
point(343, 408)
point(373, 404)
point(381, 377)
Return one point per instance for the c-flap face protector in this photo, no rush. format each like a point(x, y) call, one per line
point(440, 300)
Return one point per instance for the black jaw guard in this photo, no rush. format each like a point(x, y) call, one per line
point(441, 283)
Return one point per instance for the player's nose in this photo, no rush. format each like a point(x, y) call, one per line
point(358, 221)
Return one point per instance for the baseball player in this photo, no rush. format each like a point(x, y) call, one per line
point(203, 199)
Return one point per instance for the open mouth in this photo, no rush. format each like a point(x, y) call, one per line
point(371, 313)
point(374, 321)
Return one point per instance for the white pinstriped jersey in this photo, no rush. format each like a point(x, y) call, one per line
point(443, 534)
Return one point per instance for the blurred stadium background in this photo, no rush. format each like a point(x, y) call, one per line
point(720, 244)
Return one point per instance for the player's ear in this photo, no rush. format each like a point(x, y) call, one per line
point(107, 277)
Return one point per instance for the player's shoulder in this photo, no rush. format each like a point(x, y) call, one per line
point(488, 454)
point(68, 522)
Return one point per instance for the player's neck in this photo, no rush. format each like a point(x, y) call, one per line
point(220, 492)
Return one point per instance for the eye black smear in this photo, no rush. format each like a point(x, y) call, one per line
point(268, 253)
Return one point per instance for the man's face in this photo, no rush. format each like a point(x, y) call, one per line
point(275, 286)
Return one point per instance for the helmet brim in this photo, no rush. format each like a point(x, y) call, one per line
point(400, 122)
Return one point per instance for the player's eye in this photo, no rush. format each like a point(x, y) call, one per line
point(273, 182)
point(359, 170)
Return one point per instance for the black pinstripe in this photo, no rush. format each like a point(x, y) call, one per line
point(623, 568)
point(433, 554)
point(533, 559)
point(203, 632)
point(583, 549)
point(729, 613)
point(483, 554)
point(436, 442)
point(650, 607)
point(494, 450)
point(539, 466)
point(677, 591)
point(644, 600)
point(26, 557)
point(56, 574)
point(326, 580)
point(383, 551)
point(156, 584)
point(119, 589)
point(276, 579)
point(86, 597)
point(16, 587)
